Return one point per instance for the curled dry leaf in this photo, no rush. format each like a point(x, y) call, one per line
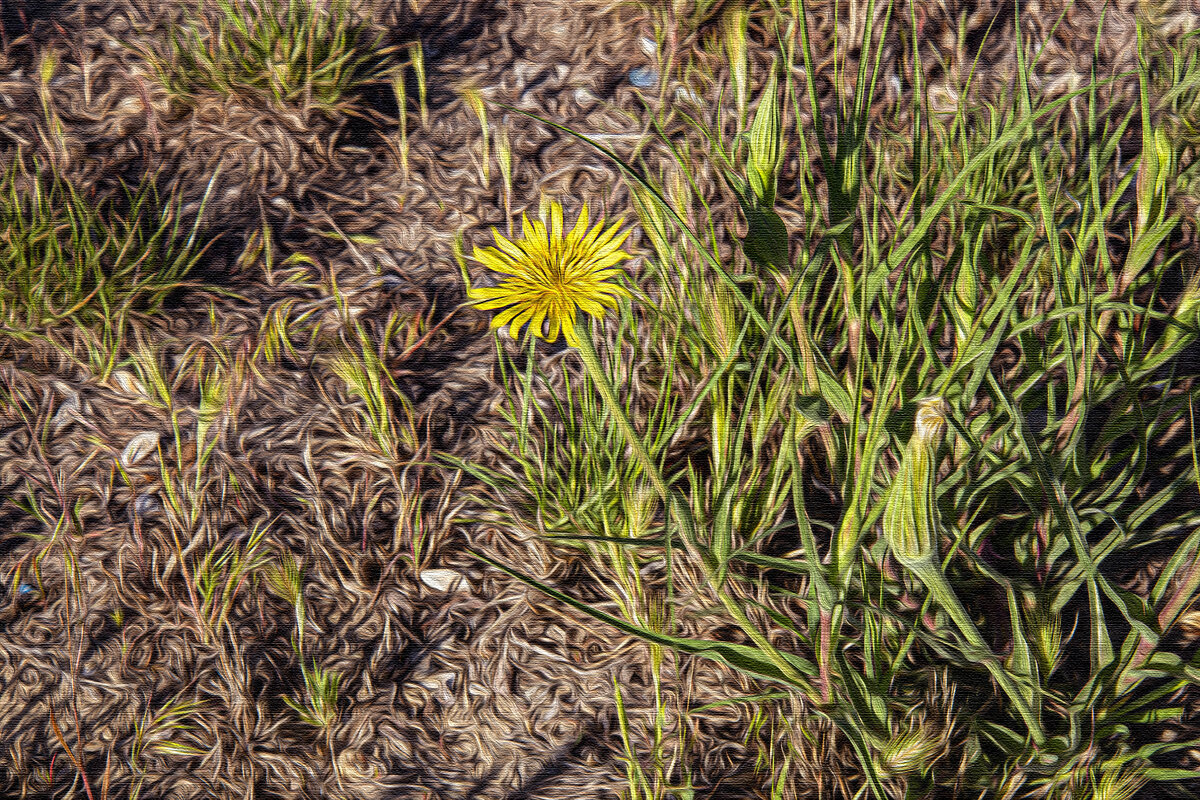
point(139, 447)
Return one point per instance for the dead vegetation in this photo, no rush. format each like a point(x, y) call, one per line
point(233, 564)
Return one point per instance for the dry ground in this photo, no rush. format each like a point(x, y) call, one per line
point(486, 690)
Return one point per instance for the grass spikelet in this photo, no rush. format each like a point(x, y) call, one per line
point(362, 369)
point(910, 753)
point(474, 100)
point(1119, 782)
point(285, 579)
point(734, 25)
point(319, 705)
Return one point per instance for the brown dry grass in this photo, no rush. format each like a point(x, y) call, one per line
point(488, 691)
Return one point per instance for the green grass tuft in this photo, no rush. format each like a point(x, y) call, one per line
point(66, 260)
point(995, 262)
point(297, 52)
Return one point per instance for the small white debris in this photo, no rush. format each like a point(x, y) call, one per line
point(443, 580)
point(894, 87)
point(146, 504)
point(131, 106)
point(127, 383)
point(685, 95)
point(68, 412)
point(644, 77)
point(943, 99)
point(356, 766)
point(139, 447)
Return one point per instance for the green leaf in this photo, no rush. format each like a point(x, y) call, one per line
point(743, 658)
point(813, 408)
point(766, 241)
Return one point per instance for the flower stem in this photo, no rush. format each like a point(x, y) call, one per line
point(599, 377)
point(676, 508)
point(943, 594)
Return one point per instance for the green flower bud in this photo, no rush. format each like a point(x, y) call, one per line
point(910, 519)
point(964, 301)
point(1155, 166)
point(764, 154)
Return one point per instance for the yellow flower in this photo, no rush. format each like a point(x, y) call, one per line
point(552, 274)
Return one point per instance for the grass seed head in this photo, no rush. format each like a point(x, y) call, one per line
point(319, 706)
point(910, 753)
point(735, 29)
point(1118, 783)
point(1046, 628)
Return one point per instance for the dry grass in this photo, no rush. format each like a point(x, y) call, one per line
point(232, 562)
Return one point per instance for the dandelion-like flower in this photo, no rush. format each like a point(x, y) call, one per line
point(552, 275)
point(911, 526)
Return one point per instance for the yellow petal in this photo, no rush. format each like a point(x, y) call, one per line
point(552, 331)
point(526, 228)
point(539, 233)
point(592, 307)
point(522, 319)
point(538, 320)
point(509, 248)
point(608, 242)
point(606, 261)
point(569, 332)
point(496, 261)
point(556, 222)
point(505, 316)
point(492, 305)
point(580, 226)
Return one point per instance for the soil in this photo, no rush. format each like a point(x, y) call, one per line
point(479, 688)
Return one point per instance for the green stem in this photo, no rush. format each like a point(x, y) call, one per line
point(675, 507)
point(945, 596)
point(599, 377)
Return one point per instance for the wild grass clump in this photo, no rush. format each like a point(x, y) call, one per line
point(66, 260)
point(296, 52)
point(977, 343)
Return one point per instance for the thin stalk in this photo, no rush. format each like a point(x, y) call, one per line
point(944, 594)
point(600, 378)
point(675, 507)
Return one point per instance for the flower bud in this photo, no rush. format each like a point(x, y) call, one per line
point(1155, 166)
point(964, 301)
point(910, 519)
point(764, 153)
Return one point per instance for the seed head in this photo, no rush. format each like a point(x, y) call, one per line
point(910, 753)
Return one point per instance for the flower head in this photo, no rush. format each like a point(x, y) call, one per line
point(551, 274)
point(910, 753)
